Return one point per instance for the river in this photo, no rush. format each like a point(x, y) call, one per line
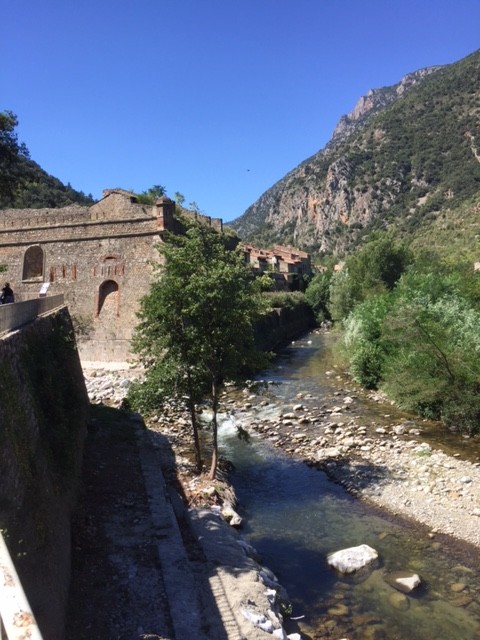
point(294, 516)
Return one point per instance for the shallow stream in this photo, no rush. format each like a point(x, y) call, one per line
point(294, 516)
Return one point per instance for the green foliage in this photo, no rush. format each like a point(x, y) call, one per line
point(364, 341)
point(179, 198)
point(412, 157)
point(342, 295)
point(366, 364)
point(421, 344)
point(284, 299)
point(10, 153)
point(370, 271)
point(198, 319)
point(435, 367)
point(150, 195)
point(23, 184)
point(317, 295)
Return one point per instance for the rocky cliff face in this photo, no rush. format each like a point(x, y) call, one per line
point(375, 100)
point(380, 163)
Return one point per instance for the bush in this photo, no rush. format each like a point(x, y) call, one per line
point(285, 299)
point(366, 365)
point(318, 295)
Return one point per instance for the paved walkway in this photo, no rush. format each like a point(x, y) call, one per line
point(131, 576)
point(142, 567)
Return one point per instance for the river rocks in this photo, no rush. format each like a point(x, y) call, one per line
point(399, 601)
point(109, 386)
point(403, 581)
point(338, 610)
point(231, 516)
point(352, 559)
point(383, 462)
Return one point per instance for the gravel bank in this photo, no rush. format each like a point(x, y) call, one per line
point(391, 465)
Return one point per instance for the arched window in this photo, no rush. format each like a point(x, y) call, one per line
point(108, 299)
point(33, 263)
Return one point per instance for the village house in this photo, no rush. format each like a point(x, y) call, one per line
point(286, 265)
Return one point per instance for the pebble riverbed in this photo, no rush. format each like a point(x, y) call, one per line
point(390, 465)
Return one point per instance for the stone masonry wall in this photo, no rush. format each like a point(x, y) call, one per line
point(43, 417)
point(100, 257)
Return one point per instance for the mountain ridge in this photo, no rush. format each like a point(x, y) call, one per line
point(404, 152)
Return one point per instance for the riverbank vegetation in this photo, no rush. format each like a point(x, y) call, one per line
point(196, 326)
point(411, 327)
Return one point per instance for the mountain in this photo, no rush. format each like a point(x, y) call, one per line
point(407, 157)
point(23, 183)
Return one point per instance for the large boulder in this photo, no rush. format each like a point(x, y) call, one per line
point(351, 559)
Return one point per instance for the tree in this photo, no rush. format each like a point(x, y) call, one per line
point(179, 198)
point(317, 295)
point(198, 320)
point(364, 340)
point(194, 207)
point(11, 153)
point(434, 365)
point(372, 270)
point(150, 195)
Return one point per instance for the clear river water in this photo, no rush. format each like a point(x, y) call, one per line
point(294, 516)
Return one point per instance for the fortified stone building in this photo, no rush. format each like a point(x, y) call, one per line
point(100, 257)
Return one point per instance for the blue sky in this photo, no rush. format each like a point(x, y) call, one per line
point(215, 99)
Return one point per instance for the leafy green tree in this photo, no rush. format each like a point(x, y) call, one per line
point(434, 367)
point(11, 153)
point(150, 195)
point(342, 295)
point(198, 319)
point(364, 340)
point(179, 198)
point(372, 270)
point(317, 295)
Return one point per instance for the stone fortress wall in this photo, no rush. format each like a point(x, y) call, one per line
point(100, 257)
point(44, 411)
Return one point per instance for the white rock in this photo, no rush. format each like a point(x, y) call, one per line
point(403, 581)
point(352, 559)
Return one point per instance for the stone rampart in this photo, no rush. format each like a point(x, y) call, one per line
point(43, 417)
point(101, 258)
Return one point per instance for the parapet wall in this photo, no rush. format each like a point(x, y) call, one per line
point(43, 417)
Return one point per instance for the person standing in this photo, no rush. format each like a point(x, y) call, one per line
point(7, 296)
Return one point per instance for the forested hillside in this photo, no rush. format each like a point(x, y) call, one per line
point(23, 183)
point(407, 158)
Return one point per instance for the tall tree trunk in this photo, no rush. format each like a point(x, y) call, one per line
point(193, 419)
point(213, 467)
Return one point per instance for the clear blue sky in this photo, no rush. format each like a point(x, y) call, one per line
point(215, 99)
